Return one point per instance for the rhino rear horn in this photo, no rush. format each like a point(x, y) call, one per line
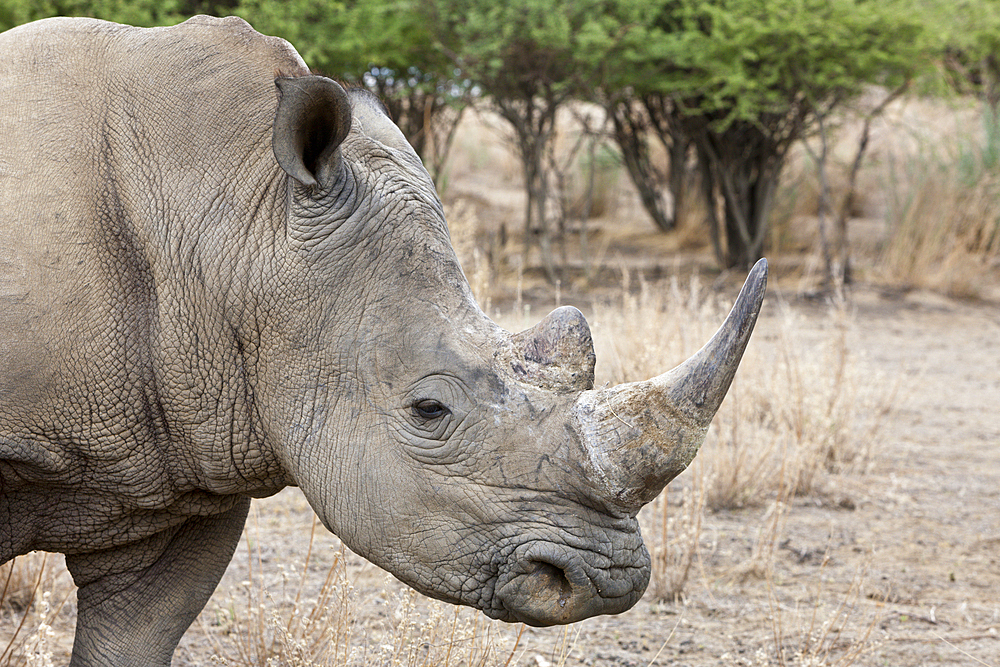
point(313, 119)
point(555, 354)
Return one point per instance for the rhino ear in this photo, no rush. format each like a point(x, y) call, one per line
point(313, 119)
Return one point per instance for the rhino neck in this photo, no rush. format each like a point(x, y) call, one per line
point(189, 301)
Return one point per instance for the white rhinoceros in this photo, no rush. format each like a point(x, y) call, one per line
point(220, 276)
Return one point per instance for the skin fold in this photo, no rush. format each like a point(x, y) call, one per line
point(221, 275)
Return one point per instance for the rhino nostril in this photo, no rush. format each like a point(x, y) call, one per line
point(552, 578)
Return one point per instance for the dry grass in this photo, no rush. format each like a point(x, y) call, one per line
point(829, 631)
point(944, 220)
point(926, 209)
point(301, 622)
point(673, 530)
point(482, 266)
point(34, 591)
point(798, 410)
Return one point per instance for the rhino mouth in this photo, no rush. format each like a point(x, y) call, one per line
point(547, 584)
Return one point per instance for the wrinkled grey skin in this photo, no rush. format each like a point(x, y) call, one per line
point(221, 276)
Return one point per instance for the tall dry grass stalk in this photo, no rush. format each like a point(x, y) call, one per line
point(33, 594)
point(295, 624)
point(279, 627)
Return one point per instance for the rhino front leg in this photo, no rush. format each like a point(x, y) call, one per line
point(134, 603)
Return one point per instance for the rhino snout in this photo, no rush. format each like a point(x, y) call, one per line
point(548, 584)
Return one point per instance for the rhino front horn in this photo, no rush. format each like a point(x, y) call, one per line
point(640, 435)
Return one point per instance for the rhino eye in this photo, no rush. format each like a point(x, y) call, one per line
point(429, 409)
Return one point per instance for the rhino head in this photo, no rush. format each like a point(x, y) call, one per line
point(478, 466)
